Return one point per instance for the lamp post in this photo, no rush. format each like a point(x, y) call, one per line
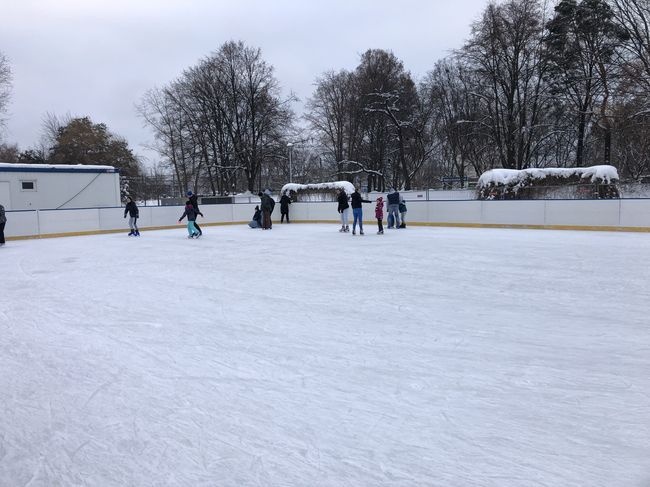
point(290, 147)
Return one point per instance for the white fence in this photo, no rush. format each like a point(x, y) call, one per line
point(586, 214)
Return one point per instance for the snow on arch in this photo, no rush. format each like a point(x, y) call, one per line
point(347, 186)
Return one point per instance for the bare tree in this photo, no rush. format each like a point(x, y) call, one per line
point(5, 87)
point(506, 51)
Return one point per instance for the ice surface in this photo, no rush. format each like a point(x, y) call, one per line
point(302, 356)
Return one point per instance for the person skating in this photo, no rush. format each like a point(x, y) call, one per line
point(379, 215)
point(285, 201)
point(357, 211)
point(3, 222)
point(344, 210)
point(132, 210)
point(191, 214)
point(194, 201)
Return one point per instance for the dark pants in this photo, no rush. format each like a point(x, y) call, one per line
point(266, 219)
point(380, 224)
point(2, 233)
point(284, 213)
point(198, 228)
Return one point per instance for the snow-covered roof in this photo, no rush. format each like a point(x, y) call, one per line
point(5, 166)
point(334, 185)
point(513, 177)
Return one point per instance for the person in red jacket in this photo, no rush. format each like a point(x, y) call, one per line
point(379, 215)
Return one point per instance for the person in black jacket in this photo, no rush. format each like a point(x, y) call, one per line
point(256, 222)
point(3, 221)
point(266, 205)
point(285, 201)
point(344, 210)
point(194, 201)
point(357, 211)
point(132, 209)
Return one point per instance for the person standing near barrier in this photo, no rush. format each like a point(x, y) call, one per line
point(132, 209)
point(379, 215)
point(402, 213)
point(3, 222)
point(285, 201)
point(344, 210)
point(194, 201)
point(266, 205)
point(357, 211)
point(393, 208)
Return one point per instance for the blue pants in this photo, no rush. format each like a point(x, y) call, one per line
point(358, 217)
point(191, 229)
point(394, 210)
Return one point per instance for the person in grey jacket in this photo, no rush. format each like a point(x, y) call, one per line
point(3, 221)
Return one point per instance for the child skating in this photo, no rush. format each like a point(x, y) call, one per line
point(379, 215)
point(191, 214)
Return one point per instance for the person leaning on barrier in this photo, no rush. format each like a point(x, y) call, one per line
point(3, 221)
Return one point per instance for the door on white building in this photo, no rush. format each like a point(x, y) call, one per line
point(5, 195)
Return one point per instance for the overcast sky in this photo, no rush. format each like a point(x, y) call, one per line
point(97, 58)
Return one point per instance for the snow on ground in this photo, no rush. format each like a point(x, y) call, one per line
point(305, 357)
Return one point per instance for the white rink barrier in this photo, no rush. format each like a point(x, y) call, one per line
point(624, 215)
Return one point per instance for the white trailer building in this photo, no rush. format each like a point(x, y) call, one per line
point(49, 186)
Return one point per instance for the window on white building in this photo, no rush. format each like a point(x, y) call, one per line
point(28, 185)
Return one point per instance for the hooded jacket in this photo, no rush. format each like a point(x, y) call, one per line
point(357, 200)
point(379, 209)
point(190, 213)
point(132, 209)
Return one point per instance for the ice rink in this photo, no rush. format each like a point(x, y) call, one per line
point(305, 357)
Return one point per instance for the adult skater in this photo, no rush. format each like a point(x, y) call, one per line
point(357, 211)
point(344, 210)
point(393, 208)
point(3, 222)
point(266, 205)
point(285, 201)
point(132, 209)
point(191, 214)
point(194, 201)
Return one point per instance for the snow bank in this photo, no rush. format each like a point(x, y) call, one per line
point(334, 185)
point(512, 177)
point(54, 167)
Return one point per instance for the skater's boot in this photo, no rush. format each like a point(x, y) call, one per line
point(354, 232)
point(347, 228)
point(360, 232)
point(342, 229)
point(130, 233)
point(137, 233)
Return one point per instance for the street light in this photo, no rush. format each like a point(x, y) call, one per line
point(290, 147)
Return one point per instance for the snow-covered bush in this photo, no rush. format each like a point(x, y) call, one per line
point(317, 191)
point(595, 182)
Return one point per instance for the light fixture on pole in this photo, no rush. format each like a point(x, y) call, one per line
point(290, 147)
